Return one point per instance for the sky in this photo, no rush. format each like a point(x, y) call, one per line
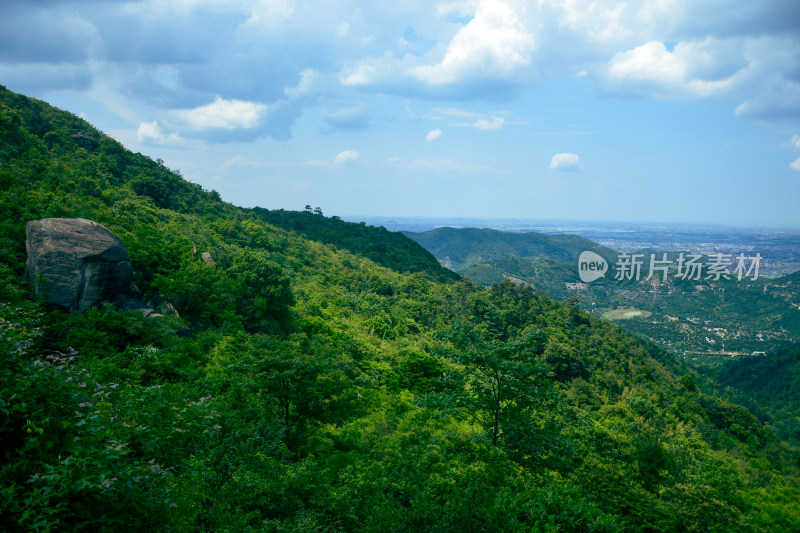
point(684, 111)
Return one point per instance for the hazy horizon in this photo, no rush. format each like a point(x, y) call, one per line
point(556, 221)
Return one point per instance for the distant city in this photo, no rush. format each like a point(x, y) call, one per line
point(779, 248)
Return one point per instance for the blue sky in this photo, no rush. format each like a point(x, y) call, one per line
point(681, 111)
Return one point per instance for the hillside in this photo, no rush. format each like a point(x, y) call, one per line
point(306, 387)
point(706, 321)
point(465, 247)
point(769, 386)
point(389, 249)
point(487, 256)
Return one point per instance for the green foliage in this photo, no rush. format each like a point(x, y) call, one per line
point(59, 470)
point(769, 386)
point(386, 248)
point(505, 382)
point(738, 316)
point(334, 378)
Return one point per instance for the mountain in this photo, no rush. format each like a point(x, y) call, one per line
point(389, 249)
point(707, 321)
point(769, 386)
point(307, 387)
point(487, 256)
point(465, 247)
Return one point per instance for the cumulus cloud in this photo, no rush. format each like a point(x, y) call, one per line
point(487, 57)
point(598, 21)
point(283, 55)
point(696, 68)
point(493, 123)
point(565, 161)
point(760, 72)
point(433, 135)
point(494, 42)
point(795, 165)
point(226, 120)
point(345, 157)
point(224, 114)
point(150, 133)
point(650, 61)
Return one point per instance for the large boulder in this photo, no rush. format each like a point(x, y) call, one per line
point(76, 262)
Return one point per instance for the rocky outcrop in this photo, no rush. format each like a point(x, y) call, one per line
point(76, 263)
point(206, 256)
point(162, 305)
point(127, 303)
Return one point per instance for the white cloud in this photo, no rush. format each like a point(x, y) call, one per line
point(345, 157)
point(595, 20)
point(565, 161)
point(493, 123)
point(795, 142)
point(433, 135)
point(795, 165)
point(309, 84)
point(494, 42)
point(650, 61)
point(223, 114)
point(694, 68)
point(150, 133)
point(759, 72)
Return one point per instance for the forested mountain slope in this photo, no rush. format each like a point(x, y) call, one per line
point(469, 246)
point(707, 321)
point(770, 386)
point(389, 249)
point(308, 388)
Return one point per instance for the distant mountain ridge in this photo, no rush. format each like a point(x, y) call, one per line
point(466, 247)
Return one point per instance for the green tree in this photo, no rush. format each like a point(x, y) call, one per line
point(505, 376)
point(263, 295)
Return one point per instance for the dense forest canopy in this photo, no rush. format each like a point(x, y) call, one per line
point(324, 376)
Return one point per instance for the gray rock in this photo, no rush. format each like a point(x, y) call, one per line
point(206, 256)
point(162, 305)
point(76, 262)
point(127, 303)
